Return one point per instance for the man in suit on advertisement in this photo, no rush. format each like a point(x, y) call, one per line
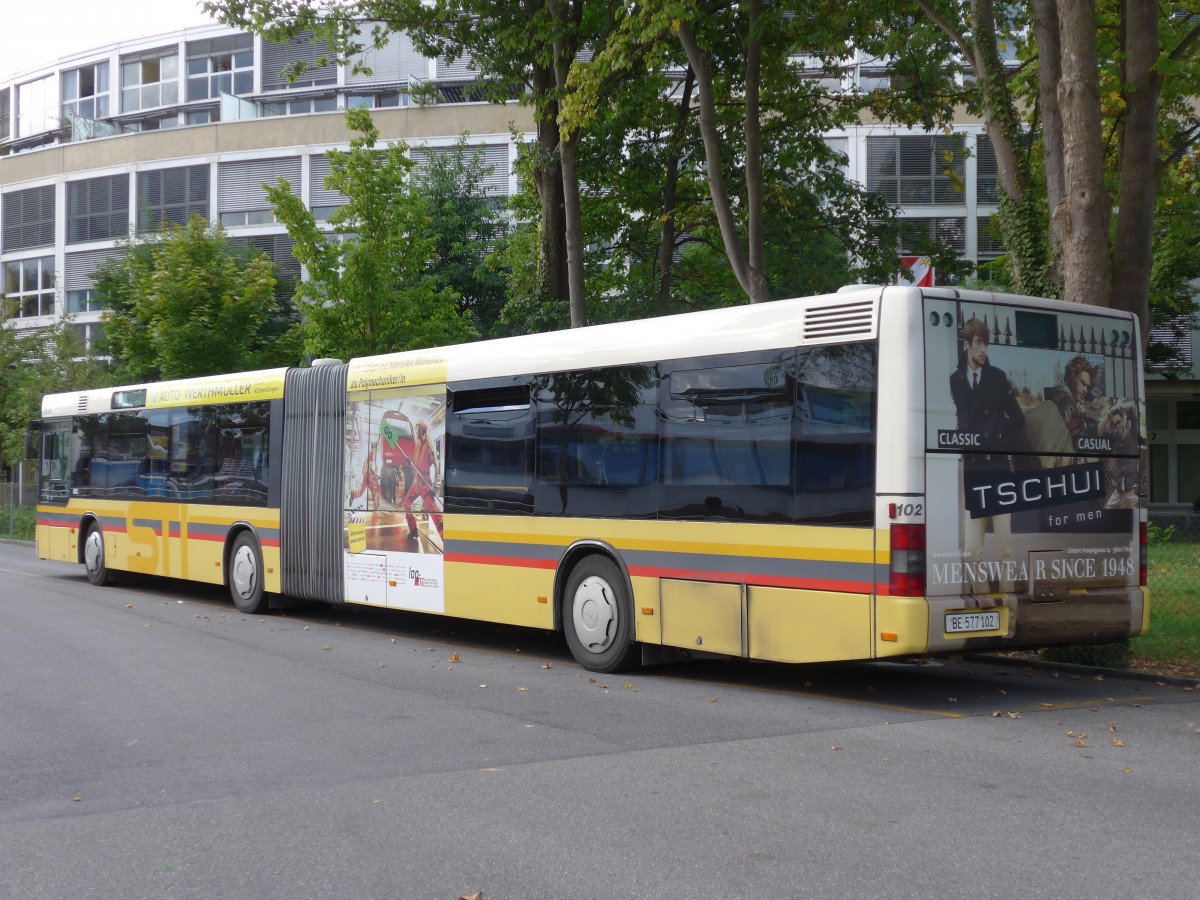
point(987, 408)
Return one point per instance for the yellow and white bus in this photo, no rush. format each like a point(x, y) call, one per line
point(886, 471)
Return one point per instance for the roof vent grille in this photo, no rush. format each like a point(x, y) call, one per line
point(83, 404)
point(837, 321)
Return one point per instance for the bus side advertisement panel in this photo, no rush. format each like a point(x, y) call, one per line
point(393, 498)
point(1034, 425)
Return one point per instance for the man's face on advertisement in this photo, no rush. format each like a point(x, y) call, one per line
point(977, 352)
point(1081, 387)
point(1117, 422)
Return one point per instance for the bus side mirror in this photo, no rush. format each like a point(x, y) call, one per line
point(33, 440)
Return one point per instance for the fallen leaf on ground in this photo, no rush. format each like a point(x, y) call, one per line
point(454, 656)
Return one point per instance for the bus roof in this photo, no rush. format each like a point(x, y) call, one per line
point(851, 314)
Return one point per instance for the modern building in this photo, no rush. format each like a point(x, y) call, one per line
point(121, 138)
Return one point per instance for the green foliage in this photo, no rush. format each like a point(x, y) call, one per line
point(526, 311)
point(467, 228)
point(186, 302)
point(17, 522)
point(1157, 534)
point(1176, 268)
point(371, 287)
point(35, 363)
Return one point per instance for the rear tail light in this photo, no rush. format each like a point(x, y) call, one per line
point(1142, 554)
point(907, 576)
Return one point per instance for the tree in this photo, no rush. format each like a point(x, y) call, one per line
point(186, 302)
point(1111, 112)
point(35, 363)
point(770, 180)
point(467, 227)
point(370, 288)
point(522, 49)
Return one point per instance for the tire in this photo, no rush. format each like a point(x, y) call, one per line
point(93, 557)
point(597, 616)
point(246, 575)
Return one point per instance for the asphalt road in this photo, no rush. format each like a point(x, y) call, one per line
point(156, 743)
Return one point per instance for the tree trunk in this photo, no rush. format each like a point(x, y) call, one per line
point(1045, 26)
point(566, 17)
point(1138, 177)
point(547, 173)
point(752, 283)
point(666, 250)
point(999, 112)
point(754, 178)
point(1084, 210)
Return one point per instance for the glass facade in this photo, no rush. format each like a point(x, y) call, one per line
point(150, 81)
point(29, 288)
point(220, 66)
point(85, 92)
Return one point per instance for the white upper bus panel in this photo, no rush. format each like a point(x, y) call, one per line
point(803, 321)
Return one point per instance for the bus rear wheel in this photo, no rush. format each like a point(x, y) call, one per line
point(597, 616)
point(245, 575)
point(93, 557)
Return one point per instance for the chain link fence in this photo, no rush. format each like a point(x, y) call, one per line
point(18, 511)
point(1174, 575)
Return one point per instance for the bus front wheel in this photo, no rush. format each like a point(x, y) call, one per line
point(245, 575)
point(597, 616)
point(93, 557)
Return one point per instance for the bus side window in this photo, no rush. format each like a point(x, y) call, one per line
point(126, 454)
point(55, 468)
point(597, 442)
point(835, 434)
point(727, 437)
point(489, 465)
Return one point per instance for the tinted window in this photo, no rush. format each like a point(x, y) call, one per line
point(597, 443)
point(835, 434)
point(727, 433)
point(212, 454)
point(490, 438)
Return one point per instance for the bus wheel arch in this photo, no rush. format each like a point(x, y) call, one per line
point(91, 552)
point(244, 571)
point(594, 608)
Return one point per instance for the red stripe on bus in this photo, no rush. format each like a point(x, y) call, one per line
point(814, 584)
point(502, 561)
point(782, 581)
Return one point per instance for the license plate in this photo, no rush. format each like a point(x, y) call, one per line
point(970, 622)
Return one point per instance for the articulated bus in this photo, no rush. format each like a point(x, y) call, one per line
point(881, 472)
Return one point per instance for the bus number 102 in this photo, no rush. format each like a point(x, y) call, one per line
point(905, 510)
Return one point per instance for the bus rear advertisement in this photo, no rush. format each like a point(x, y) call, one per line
point(886, 471)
